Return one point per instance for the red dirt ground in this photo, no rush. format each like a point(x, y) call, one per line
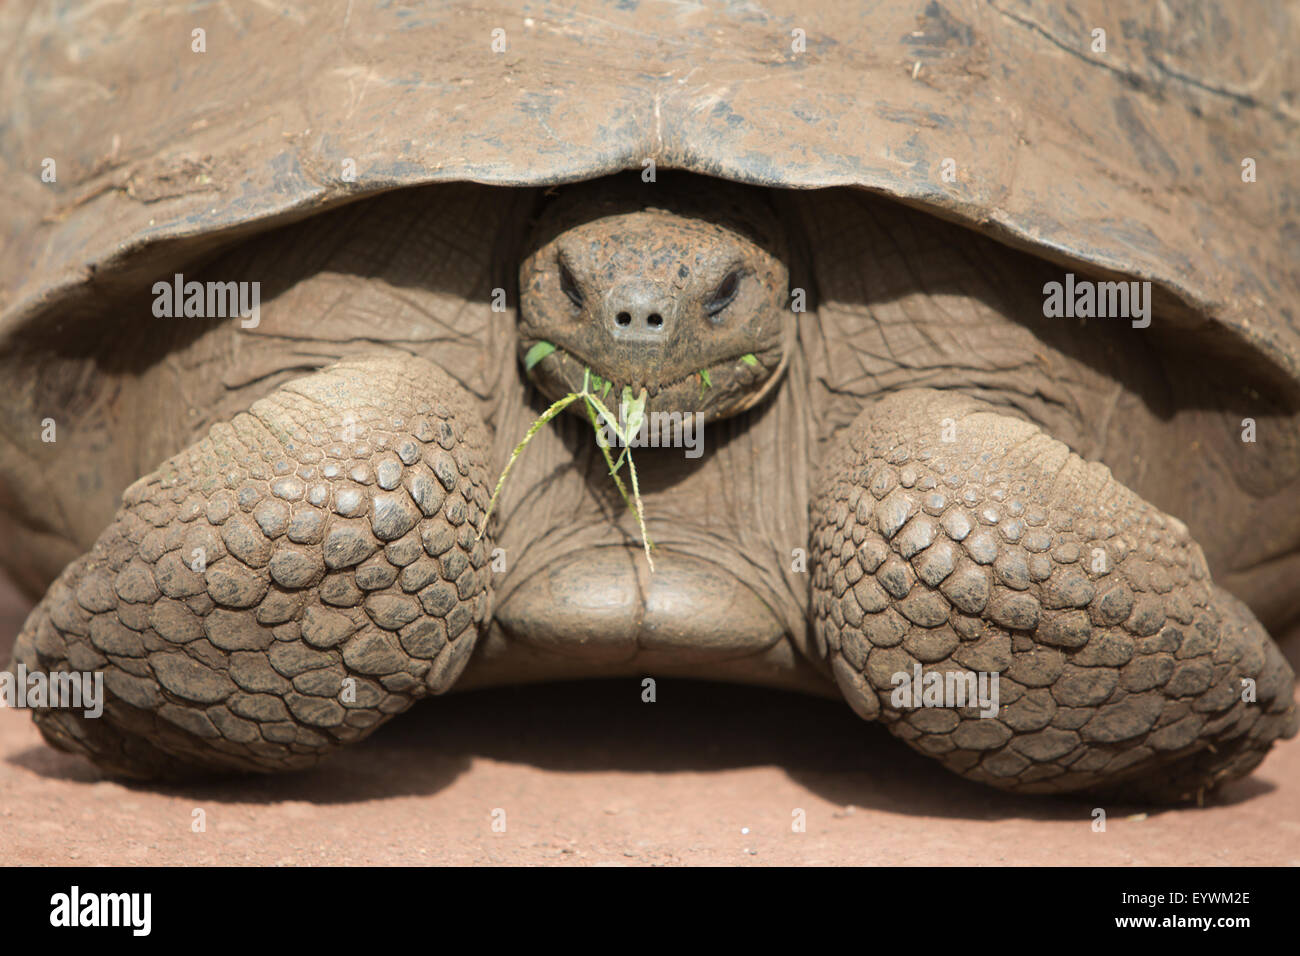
point(586, 774)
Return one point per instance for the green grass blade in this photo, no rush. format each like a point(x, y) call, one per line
point(547, 415)
point(596, 413)
point(537, 353)
point(640, 512)
point(596, 406)
point(607, 415)
point(604, 450)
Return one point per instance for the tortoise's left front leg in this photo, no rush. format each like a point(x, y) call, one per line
point(954, 539)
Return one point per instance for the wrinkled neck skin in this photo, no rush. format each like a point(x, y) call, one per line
point(728, 517)
point(728, 597)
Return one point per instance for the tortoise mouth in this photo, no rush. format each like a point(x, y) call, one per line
point(717, 390)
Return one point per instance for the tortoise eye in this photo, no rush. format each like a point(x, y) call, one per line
point(723, 295)
point(569, 286)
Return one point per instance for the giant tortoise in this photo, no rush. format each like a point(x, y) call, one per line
point(985, 315)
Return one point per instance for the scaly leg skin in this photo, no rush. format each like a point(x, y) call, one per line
point(950, 535)
point(282, 586)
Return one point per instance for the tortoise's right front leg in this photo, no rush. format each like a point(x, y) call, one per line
point(282, 586)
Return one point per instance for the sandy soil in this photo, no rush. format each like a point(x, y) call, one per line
point(587, 774)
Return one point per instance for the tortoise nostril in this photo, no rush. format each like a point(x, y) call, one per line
point(639, 313)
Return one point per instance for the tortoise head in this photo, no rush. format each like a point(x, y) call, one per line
point(677, 287)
